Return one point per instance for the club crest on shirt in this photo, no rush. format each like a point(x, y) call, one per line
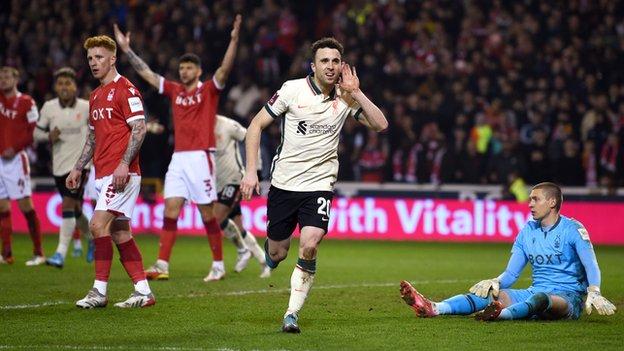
point(111, 93)
point(557, 242)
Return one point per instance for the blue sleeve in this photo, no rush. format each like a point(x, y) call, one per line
point(585, 252)
point(516, 264)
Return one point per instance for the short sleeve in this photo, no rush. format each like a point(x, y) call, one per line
point(279, 102)
point(166, 87)
point(131, 104)
point(43, 123)
point(33, 114)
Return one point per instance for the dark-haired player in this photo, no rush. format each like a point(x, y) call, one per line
point(311, 111)
point(191, 173)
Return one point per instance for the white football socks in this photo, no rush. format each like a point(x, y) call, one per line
point(142, 287)
point(65, 235)
point(252, 245)
point(300, 284)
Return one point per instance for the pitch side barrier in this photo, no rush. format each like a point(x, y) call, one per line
point(364, 212)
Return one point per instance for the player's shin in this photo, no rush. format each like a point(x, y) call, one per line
point(82, 223)
point(300, 283)
point(252, 244)
point(462, 304)
point(131, 259)
point(34, 230)
point(167, 238)
point(5, 233)
point(103, 257)
point(534, 305)
point(230, 231)
point(214, 234)
point(65, 233)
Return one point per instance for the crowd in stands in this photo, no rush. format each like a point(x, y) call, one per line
point(478, 92)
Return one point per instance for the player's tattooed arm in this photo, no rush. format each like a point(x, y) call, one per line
point(222, 73)
point(143, 69)
point(87, 151)
point(123, 40)
point(139, 129)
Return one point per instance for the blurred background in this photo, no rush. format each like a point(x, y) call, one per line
point(476, 92)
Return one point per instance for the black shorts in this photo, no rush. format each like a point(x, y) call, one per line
point(236, 211)
point(74, 194)
point(286, 209)
point(230, 195)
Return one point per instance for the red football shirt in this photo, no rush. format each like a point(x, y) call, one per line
point(194, 114)
point(111, 108)
point(18, 115)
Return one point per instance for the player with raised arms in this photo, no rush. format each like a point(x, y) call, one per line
point(311, 111)
point(563, 264)
point(116, 132)
point(191, 173)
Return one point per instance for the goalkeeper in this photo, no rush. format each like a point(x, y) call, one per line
point(564, 269)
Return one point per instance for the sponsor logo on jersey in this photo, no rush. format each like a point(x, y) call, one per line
point(11, 114)
point(302, 127)
point(101, 113)
point(188, 100)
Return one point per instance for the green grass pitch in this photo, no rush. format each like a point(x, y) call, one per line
point(354, 303)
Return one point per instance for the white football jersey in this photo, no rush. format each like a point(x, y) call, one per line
point(307, 157)
point(72, 121)
point(228, 159)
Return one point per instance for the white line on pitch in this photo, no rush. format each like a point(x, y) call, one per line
point(259, 291)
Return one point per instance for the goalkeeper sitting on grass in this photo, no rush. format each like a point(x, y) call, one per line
point(564, 269)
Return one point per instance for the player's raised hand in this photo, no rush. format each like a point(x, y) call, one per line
point(123, 40)
point(72, 182)
point(598, 302)
point(236, 28)
point(349, 80)
point(249, 183)
point(120, 177)
point(483, 288)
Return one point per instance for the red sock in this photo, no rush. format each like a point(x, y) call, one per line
point(5, 233)
point(131, 259)
point(103, 256)
point(167, 238)
point(35, 231)
point(76, 235)
point(214, 238)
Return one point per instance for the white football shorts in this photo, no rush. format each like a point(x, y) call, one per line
point(191, 175)
point(118, 203)
point(15, 177)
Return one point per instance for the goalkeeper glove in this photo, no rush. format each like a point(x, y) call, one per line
point(483, 287)
point(597, 301)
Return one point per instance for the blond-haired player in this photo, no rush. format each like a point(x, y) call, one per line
point(116, 132)
point(311, 111)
